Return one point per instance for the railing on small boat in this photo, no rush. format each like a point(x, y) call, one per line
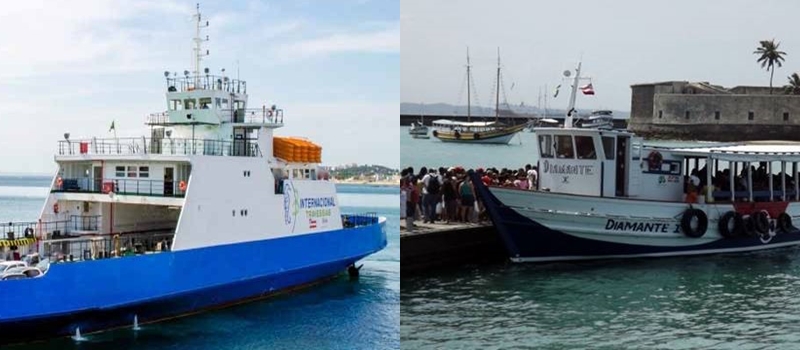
point(359, 220)
point(143, 187)
point(163, 146)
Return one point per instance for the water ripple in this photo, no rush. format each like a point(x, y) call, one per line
point(748, 301)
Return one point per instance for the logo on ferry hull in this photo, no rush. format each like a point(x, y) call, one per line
point(291, 205)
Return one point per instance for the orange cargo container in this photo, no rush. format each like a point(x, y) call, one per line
point(297, 150)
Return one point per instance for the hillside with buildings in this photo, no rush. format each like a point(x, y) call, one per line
point(372, 174)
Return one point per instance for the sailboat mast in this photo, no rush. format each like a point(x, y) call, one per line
point(469, 94)
point(497, 95)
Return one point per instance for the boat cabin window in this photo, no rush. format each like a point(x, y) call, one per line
point(585, 147)
point(144, 171)
point(564, 147)
point(545, 146)
point(189, 103)
point(120, 171)
point(132, 171)
point(175, 105)
point(608, 147)
point(205, 103)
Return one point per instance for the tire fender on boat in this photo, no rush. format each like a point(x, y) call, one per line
point(785, 223)
point(686, 223)
point(28, 232)
point(457, 135)
point(477, 136)
point(435, 133)
point(760, 222)
point(738, 225)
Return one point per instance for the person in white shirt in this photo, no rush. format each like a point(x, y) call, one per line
point(533, 175)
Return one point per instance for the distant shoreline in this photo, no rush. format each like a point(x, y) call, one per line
point(382, 183)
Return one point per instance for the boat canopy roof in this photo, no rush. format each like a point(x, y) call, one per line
point(745, 152)
point(447, 122)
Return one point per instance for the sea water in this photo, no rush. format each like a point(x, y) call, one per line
point(340, 314)
point(733, 301)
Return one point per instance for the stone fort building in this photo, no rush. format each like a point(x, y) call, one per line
point(702, 111)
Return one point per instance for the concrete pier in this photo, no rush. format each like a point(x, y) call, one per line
point(436, 246)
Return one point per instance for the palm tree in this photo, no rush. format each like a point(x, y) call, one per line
point(770, 56)
point(794, 85)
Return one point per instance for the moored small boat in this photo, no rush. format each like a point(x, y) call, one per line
point(606, 194)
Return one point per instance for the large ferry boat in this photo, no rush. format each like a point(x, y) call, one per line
point(605, 194)
point(209, 210)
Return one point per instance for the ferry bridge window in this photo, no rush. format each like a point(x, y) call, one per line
point(120, 171)
point(144, 171)
point(175, 105)
point(564, 147)
point(608, 147)
point(189, 103)
point(584, 146)
point(131, 171)
point(545, 146)
point(205, 103)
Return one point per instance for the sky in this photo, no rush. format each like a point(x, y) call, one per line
point(620, 43)
point(77, 66)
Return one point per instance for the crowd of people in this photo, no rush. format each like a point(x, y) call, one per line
point(448, 194)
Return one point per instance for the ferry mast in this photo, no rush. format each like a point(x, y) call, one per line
point(198, 42)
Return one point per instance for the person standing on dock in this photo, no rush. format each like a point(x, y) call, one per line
point(450, 197)
point(467, 200)
point(430, 195)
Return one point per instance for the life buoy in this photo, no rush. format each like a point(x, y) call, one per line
point(725, 228)
point(760, 221)
point(688, 219)
point(457, 135)
point(785, 223)
point(477, 136)
point(59, 182)
point(55, 208)
point(182, 186)
point(28, 232)
point(654, 160)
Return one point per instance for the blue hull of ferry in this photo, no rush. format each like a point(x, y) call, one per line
point(528, 240)
point(108, 293)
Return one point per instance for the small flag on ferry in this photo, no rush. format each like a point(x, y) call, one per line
point(587, 89)
point(112, 127)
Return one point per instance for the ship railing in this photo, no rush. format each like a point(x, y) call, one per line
point(261, 115)
point(105, 246)
point(159, 118)
point(163, 146)
point(14, 231)
point(206, 82)
point(137, 187)
point(359, 220)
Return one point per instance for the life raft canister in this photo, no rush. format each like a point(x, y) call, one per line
point(688, 218)
point(760, 222)
point(738, 227)
point(785, 223)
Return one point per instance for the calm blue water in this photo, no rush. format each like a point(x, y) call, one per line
point(336, 315)
point(738, 301)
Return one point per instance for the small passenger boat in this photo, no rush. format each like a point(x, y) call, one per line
point(606, 194)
